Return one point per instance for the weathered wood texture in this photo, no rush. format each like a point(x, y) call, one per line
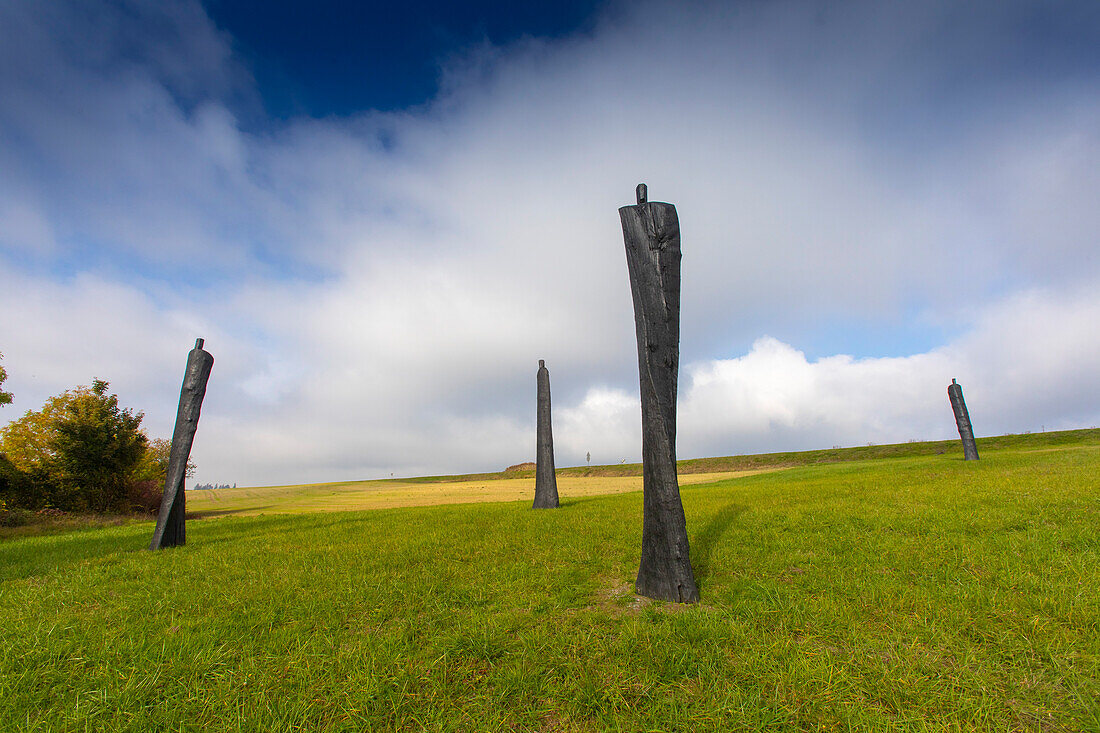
point(962, 419)
point(651, 231)
point(546, 483)
point(171, 529)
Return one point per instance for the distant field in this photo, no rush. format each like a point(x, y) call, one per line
point(389, 493)
point(1023, 441)
point(574, 481)
point(912, 593)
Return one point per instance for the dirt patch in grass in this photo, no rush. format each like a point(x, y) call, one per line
point(618, 599)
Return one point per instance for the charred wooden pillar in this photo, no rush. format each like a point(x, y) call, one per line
point(546, 483)
point(171, 530)
point(651, 231)
point(962, 419)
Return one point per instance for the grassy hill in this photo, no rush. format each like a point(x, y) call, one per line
point(916, 592)
point(1024, 441)
point(575, 482)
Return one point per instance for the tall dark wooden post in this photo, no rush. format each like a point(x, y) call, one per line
point(546, 483)
point(962, 419)
point(651, 231)
point(171, 530)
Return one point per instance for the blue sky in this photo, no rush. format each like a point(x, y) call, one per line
point(380, 219)
point(338, 58)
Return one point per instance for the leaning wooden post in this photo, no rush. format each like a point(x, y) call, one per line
point(170, 530)
point(651, 231)
point(962, 419)
point(546, 484)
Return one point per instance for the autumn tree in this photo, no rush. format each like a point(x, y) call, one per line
point(5, 397)
point(150, 474)
point(12, 482)
point(79, 452)
point(154, 463)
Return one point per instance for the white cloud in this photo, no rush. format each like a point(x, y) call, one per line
point(1021, 368)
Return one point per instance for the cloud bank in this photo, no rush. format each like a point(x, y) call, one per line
point(1021, 368)
point(873, 200)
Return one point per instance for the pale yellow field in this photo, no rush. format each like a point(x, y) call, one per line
point(384, 494)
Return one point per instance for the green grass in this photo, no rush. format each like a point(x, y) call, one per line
point(915, 593)
point(1023, 441)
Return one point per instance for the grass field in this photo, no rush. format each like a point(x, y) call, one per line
point(918, 592)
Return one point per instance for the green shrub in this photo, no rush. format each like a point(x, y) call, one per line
point(79, 452)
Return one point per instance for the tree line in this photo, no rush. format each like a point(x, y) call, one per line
point(81, 452)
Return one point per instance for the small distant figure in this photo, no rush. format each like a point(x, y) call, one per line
point(588, 458)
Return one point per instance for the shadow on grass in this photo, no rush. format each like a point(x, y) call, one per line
point(47, 554)
point(250, 526)
point(54, 553)
point(570, 503)
point(702, 545)
point(210, 513)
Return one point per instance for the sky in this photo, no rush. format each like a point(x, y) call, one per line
point(381, 219)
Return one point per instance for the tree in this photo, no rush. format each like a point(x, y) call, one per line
point(80, 451)
point(5, 397)
point(28, 446)
point(154, 463)
point(14, 484)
